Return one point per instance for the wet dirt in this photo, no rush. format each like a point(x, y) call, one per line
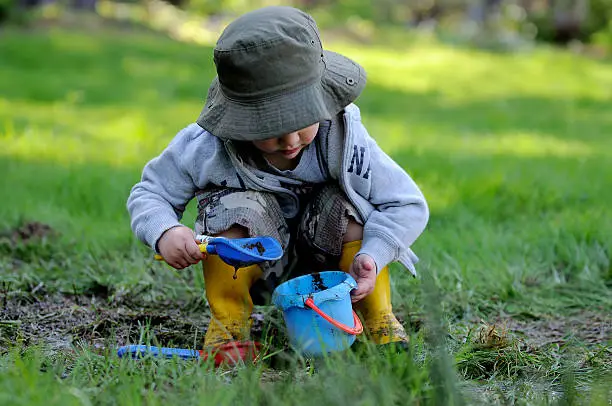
point(258, 245)
point(98, 316)
point(60, 321)
point(585, 326)
point(29, 231)
point(317, 283)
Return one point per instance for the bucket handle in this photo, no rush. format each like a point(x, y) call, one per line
point(358, 329)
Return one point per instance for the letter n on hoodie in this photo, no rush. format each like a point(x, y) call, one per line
point(357, 162)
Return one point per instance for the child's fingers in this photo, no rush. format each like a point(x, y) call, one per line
point(364, 272)
point(192, 251)
point(365, 263)
point(179, 263)
point(361, 293)
point(358, 295)
point(179, 259)
point(355, 297)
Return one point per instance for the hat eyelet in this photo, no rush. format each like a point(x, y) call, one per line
point(350, 81)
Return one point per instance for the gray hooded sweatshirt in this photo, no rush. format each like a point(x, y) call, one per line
point(390, 204)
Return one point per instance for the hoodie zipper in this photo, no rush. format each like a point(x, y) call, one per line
point(343, 173)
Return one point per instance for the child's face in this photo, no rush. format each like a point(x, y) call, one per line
point(288, 146)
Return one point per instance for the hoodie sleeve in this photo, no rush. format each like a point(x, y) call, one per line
point(157, 202)
point(400, 214)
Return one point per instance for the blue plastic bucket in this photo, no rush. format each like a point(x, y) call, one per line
point(318, 313)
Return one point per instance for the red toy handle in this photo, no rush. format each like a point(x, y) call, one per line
point(233, 352)
point(358, 329)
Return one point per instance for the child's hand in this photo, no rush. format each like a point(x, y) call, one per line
point(179, 248)
point(363, 269)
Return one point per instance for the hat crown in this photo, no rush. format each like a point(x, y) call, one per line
point(267, 52)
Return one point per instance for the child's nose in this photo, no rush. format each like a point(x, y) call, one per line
point(291, 139)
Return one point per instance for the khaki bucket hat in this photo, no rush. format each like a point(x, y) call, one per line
point(273, 77)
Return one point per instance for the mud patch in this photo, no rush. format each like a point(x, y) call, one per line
point(587, 327)
point(59, 321)
point(28, 232)
point(533, 349)
point(317, 283)
point(30, 242)
point(258, 245)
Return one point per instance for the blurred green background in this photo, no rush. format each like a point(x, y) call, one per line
point(493, 23)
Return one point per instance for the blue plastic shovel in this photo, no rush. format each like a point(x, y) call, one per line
point(239, 252)
point(137, 351)
point(230, 353)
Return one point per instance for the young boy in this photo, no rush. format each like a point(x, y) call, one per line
point(279, 150)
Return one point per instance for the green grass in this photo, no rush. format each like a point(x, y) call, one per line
point(511, 150)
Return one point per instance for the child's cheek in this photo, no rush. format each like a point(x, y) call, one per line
point(265, 146)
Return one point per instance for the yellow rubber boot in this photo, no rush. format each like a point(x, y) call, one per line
point(229, 300)
point(380, 323)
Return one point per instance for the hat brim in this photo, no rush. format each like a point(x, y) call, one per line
point(341, 83)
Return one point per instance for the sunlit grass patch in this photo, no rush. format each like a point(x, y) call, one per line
point(462, 75)
point(68, 134)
